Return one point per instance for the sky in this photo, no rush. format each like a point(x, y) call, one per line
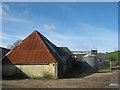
point(80, 26)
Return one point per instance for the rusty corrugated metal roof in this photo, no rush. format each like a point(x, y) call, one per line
point(33, 49)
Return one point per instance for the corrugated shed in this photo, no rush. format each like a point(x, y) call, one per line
point(34, 49)
point(66, 50)
point(64, 53)
point(3, 52)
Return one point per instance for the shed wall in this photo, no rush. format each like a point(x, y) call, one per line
point(104, 65)
point(31, 71)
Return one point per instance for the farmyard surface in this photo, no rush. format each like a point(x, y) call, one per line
point(96, 80)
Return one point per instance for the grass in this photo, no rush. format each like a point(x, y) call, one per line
point(114, 57)
point(114, 63)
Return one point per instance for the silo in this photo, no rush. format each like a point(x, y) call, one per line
point(90, 63)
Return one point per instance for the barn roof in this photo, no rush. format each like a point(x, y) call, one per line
point(33, 49)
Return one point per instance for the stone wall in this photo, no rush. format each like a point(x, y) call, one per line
point(104, 65)
point(32, 71)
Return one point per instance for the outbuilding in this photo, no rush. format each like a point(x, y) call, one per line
point(36, 57)
point(3, 52)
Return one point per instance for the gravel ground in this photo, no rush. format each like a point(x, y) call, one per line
point(96, 80)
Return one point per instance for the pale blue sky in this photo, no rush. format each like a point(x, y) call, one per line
point(78, 26)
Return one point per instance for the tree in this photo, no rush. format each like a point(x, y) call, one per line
point(14, 44)
point(112, 59)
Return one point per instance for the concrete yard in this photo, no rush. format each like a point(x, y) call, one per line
point(96, 80)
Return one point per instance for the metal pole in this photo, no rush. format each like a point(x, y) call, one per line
point(110, 65)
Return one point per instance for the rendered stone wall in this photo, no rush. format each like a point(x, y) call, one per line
point(32, 71)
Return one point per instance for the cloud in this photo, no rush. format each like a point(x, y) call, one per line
point(49, 27)
point(5, 36)
point(6, 39)
point(25, 12)
point(0, 12)
point(8, 17)
point(5, 7)
point(88, 37)
point(16, 19)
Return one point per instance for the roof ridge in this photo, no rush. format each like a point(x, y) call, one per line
point(29, 51)
point(49, 46)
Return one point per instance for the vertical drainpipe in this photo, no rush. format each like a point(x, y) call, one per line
point(56, 70)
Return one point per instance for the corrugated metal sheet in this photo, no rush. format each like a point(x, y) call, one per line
point(33, 49)
point(63, 54)
point(3, 52)
point(66, 50)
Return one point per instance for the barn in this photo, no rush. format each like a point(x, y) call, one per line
point(37, 57)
